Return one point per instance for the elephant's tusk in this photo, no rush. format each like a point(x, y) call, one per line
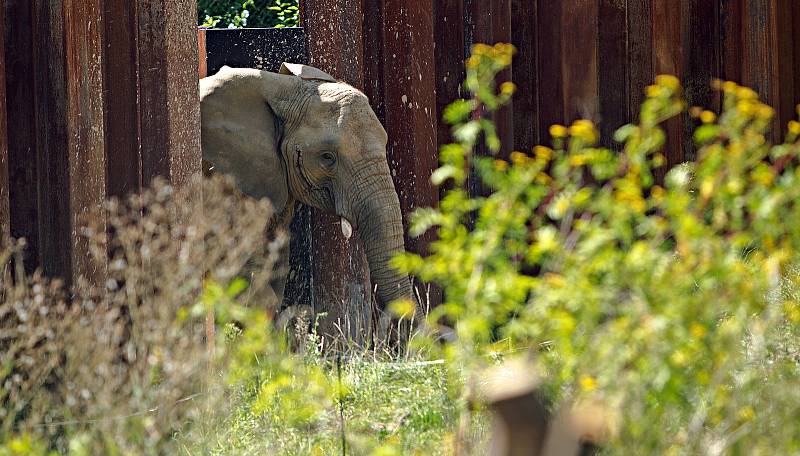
point(347, 229)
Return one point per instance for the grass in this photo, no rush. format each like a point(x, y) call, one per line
point(383, 407)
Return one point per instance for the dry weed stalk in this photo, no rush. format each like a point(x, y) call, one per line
point(125, 364)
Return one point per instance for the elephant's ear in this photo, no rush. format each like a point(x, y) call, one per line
point(240, 122)
point(305, 72)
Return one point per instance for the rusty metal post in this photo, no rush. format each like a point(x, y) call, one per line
point(411, 109)
point(168, 89)
point(61, 53)
point(335, 44)
point(768, 51)
point(21, 136)
point(4, 213)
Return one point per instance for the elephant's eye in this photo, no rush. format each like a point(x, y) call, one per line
point(328, 159)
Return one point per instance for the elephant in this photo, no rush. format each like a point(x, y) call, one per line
point(301, 135)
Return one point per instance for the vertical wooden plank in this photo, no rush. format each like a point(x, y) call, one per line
point(449, 55)
point(52, 123)
point(4, 214)
point(525, 108)
point(703, 62)
point(20, 101)
point(784, 40)
point(409, 93)
point(668, 53)
point(579, 64)
point(168, 89)
point(69, 147)
point(120, 95)
point(373, 56)
point(731, 40)
point(612, 70)
point(549, 71)
point(334, 34)
point(767, 57)
point(202, 61)
point(489, 22)
point(796, 48)
point(85, 140)
point(640, 52)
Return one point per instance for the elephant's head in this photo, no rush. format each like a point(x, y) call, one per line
point(303, 135)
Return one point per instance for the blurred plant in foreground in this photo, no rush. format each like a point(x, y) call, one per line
point(125, 368)
point(674, 305)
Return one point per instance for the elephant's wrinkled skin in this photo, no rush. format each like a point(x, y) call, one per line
point(301, 135)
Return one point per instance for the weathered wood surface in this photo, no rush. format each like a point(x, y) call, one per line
point(342, 288)
point(4, 215)
point(101, 98)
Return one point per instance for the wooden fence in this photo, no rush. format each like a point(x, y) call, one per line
point(101, 95)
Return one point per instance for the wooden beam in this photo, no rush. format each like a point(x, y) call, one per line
point(121, 94)
point(168, 89)
point(613, 73)
point(579, 45)
point(409, 93)
point(449, 36)
point(334, 40)
point(524, 36)
point(489, 22)
point(4, 213)
point(669, 58)
point(640, 53)
point(412, 114)
point(703, 63)
point(767, 57)
point(23, 176)
point(549, 71)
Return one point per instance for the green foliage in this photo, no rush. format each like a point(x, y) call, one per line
point(248, 13)
point(673, 305)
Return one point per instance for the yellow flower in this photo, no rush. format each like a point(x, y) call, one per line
point(729, 86)
point(543, 153)
point(697, 330)
point(657, 193)
point(794, 127)
point(473, 62)
point(706, 188)
point(652, 91)
point(669, 81)
point(543, 179)
point(500, 165)
point(588, 383)
point(746, 93)
point(792, 311)
point(659, 159)
point(518, 157)
point(558, 131)
point(507, 88)
point(746, 107)
point(765, 111)
point(577, 160)
point(707, 117)
point(679, 358)
point(746, 414)
point(585, 130)
point(481, 48)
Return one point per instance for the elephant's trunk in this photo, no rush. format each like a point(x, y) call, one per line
point(380, 226)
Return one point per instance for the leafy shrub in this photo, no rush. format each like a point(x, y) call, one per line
point(675, 305)
point(248, 13)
